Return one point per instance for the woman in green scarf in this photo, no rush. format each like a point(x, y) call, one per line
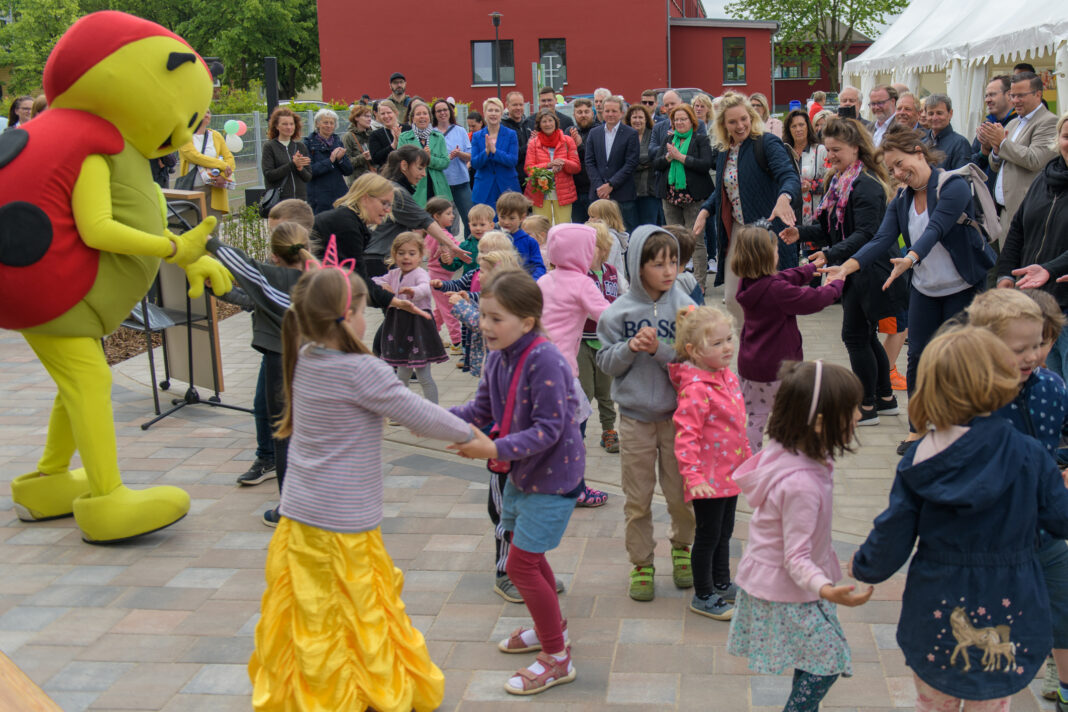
point(684, 162)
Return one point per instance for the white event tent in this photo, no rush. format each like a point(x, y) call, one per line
point(968, 41)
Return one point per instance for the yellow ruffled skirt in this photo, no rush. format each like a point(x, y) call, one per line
point(334, 635)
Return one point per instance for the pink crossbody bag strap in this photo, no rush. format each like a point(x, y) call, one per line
point(503, 428)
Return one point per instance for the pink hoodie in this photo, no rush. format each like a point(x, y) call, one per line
point(568, 292)
point(710, 439)
point(789, 556)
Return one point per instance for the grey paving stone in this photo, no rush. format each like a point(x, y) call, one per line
point(885, 635)
point(82, 676)
point(74, 701)
point(86, 596)
point(201, 578)
point(90, 575)
point(37, 535)
point(25, 618)
point(244, 540)
point(769, 690)
point(220, 680)
point(642, 688)
point(212, 649)
point(647, 631)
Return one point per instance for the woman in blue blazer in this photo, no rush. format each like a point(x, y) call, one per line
point(494, 152)
point(951, 259)
point(764, 189)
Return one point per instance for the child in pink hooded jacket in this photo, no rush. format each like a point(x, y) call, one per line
point(784, 615)
point(570, 297)
point(710, 444)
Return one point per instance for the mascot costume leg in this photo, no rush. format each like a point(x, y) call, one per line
point(82, 231)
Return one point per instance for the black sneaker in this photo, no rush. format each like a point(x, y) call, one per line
point(261, 471)
point(271, 517)
point(887, 407)
point(869, 415)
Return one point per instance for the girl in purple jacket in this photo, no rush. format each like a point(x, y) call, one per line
point(543, 448)
point(771, 301)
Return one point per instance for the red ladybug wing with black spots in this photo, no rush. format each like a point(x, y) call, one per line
point(45, 267)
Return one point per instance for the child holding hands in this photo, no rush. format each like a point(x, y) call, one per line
point(528, 393)
point(784, 616)
point(710, 444)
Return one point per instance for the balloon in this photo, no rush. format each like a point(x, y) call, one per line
point(234, 143)
point(230, 126)
point(242, 127)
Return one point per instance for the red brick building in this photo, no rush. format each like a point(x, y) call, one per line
point(446, 48)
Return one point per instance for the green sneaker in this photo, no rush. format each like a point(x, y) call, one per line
point(681, 573)
point(641, 583)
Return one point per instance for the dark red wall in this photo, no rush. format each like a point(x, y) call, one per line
point(619, 44)
point(697, 59)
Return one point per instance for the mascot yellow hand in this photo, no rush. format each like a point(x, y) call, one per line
point(83, 218)
point(189, 246)
point(210, 269)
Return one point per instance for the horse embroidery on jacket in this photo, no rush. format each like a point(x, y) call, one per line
point(994, 642)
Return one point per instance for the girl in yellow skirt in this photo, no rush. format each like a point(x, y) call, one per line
point(334, 634)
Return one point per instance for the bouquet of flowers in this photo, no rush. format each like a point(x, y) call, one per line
point(541, 180)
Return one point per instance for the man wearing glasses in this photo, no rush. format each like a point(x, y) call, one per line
point(1021, 149)
point(883, 102)
point(999, 111)
point(649, 102)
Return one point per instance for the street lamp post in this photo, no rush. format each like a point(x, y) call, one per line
point(496, 16)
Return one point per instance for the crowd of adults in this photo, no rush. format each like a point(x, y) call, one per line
point(863, 199)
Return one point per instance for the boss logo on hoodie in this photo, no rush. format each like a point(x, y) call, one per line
point(665, 329)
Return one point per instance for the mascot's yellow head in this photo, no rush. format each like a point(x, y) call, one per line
point(138, 75)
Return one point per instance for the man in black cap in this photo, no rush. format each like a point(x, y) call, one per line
point(399, 97)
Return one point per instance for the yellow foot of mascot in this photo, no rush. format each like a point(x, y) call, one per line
point(82, 231)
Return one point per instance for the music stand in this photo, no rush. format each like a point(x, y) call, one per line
point(192, 396)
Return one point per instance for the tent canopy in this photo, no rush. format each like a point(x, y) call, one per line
point(930, 34)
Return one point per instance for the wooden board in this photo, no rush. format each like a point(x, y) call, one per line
point(18, 693)
point(173, 295)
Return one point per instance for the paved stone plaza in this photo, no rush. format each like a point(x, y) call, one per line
point(166, 622)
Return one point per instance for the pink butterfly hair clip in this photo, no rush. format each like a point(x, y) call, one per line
point(346, 267)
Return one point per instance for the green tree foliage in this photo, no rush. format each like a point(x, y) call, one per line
point(31, 37)
point(811, 29)
point(239, 32)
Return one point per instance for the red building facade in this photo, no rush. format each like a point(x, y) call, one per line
point(446, 49)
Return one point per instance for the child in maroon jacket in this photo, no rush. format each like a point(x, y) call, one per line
point(770, 301)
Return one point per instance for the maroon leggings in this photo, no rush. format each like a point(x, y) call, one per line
point(535, 580)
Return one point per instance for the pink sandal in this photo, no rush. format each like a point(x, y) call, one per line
point(591, 498)
point(514, 643)
point(555, 673)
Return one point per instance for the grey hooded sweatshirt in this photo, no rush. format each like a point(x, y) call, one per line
point(640, 382)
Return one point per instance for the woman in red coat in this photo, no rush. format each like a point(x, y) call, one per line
point(550, 149)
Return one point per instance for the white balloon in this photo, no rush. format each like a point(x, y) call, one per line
point(234, 143)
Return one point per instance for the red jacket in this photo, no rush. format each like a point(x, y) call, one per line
point(538, 156)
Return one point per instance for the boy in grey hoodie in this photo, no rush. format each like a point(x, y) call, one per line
point(637, 334)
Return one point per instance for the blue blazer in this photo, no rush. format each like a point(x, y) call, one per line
point(618, 169)
point(494, 172)
point(971, 255)
point(758, 190)
point(975, 508)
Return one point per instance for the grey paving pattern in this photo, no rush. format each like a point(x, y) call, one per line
point(166, 623)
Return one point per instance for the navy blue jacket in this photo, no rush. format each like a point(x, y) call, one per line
point(971, 255)
point(984, 161)
point(758, 190)
point(975, 593)
point(957, 149)
point(328, 179)
point(617, 169)
point(494, 172)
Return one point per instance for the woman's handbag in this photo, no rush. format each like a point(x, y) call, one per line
point(189, 180)
point(499, 430)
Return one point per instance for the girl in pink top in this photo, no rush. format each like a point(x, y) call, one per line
point(442, 211)
point(785, 616)
point(710, 444)
point(410, 342)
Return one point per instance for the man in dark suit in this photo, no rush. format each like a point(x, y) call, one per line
point(515, 120)
point(611, 157)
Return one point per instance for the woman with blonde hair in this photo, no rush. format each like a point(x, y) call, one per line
point(702, 109)
point(748, 188)
point(494, 152)
point(763, 108)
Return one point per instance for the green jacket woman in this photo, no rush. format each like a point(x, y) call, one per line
point(433, 142)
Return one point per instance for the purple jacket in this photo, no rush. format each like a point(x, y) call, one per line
point(771, 305)
point(544, 444)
